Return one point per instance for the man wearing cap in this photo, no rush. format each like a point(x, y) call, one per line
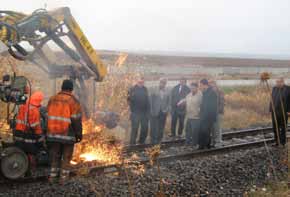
point(64, 129)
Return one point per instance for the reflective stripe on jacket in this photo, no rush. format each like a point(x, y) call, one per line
point(63, 111)
point(29, 138)
point(28, 120)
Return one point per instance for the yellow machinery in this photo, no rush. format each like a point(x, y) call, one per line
point(19, 31)
point(26, 38)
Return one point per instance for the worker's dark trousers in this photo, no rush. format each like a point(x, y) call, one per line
point(28, 147)
point(175, 116)
point(204, 134)
point(157, 124)
point(60, 157)
point(137, 120)
point(281, 128)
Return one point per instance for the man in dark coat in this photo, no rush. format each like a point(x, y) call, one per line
point(138, 100)
point(208, 113)
point(217, 131)
point(280, 96)
point(178, 93)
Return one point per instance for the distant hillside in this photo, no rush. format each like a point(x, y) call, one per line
point(137, 58)
point(165, 60)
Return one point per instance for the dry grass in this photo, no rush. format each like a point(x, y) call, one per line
point(273, 189)
point(246, 107)
point(254, 99)
point(243, 118)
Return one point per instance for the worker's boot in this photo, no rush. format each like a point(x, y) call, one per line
point(64, 176)
point(53, 180)
point(32, 165)
point(54, 175)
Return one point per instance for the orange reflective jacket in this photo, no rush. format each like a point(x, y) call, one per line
point(62, 110)
point(28, 117)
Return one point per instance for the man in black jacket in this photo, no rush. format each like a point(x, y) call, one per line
point(208, 113)
point(138, 100)
point(280, 96)
point(178, 93)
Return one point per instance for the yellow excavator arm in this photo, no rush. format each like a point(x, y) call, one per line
point(27, 37)
point(43, 26)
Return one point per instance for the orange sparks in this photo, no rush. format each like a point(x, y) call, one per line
point(89, 156)
point(98, 128)
point(97, 145)
point(97, 155)
point(73, 162)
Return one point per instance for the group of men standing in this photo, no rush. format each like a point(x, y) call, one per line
point(201, 105)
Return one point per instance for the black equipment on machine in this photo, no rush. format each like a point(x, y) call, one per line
point(13, 89)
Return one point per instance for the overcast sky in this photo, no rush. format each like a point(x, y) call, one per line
point(210, 26)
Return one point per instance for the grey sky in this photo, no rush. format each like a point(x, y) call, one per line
point(213, 26)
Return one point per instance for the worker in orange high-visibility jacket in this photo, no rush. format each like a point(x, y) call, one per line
point(28, 133)
point(64, 129)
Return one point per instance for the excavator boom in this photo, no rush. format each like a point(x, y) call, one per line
point(41, 27)
point(60, 27)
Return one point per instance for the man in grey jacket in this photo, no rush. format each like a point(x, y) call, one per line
point(160, 102)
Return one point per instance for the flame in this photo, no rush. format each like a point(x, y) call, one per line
point(98, 154)
point(98, 128)
point(89, 156)
point(97, 146)
point(73, 162)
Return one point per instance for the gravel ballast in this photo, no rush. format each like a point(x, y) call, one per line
point(230, 174)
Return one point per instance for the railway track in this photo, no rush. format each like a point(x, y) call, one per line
point(179, 142)
point(189, 155)
point(185, 156)
point(197, 153)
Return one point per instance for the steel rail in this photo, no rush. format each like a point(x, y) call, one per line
point(185, 156)
point(225, 136)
